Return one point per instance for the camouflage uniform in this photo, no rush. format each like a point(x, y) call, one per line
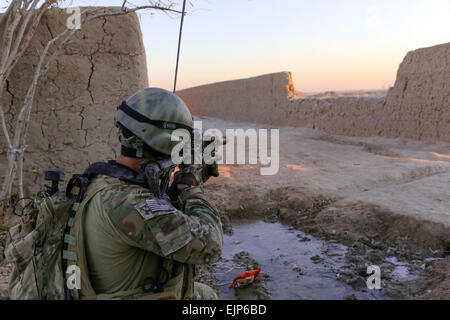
point(124, 239)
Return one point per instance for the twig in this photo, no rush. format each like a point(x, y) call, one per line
point(28, 14)
point(6, 13)
point(20, 175)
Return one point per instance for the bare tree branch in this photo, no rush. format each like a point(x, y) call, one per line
point(128, 10)
point(29, 36)
point(8, 37)
point(29, 12)
point(3, 18)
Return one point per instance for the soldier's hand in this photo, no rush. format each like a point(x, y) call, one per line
point(188, 176)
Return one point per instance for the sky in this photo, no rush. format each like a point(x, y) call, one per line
point(326, 44)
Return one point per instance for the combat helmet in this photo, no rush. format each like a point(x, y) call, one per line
point(146, 121)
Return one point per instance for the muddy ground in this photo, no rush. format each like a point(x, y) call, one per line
point(372, 234)
point(362, 251)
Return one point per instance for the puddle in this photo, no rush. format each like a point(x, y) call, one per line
point(295, 266)
point(401, 269)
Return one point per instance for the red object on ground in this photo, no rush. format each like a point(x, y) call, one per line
point(245, 278)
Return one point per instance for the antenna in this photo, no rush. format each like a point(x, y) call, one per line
point(179, 45)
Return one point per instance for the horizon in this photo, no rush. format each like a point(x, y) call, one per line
point(347, 46)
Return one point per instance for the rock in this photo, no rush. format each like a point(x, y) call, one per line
point(243, 259)
point(264, 276)
point(351, 297)
point(297, 269)
point(375, 257)
point(316, 259)
point(285, 213)
point(303, 238)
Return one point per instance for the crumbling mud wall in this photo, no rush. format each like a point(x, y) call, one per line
point(271, 99)
point(258, 99)
point(417, 107)
point(73, 115)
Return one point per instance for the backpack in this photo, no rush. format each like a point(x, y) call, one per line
point(35, 245)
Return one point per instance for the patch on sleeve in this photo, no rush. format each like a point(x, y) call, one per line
point(151, 208)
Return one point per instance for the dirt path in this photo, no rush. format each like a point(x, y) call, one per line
point(405, 177)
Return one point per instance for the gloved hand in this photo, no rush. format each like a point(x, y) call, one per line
point(188, 176)
point(187, 182)
point(195, 174)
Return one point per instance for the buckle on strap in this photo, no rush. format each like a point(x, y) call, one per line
point(69, 255)
point(69, 239)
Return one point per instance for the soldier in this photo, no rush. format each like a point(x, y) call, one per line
point(136, 246)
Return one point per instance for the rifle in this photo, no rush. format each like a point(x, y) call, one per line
point(157, 174)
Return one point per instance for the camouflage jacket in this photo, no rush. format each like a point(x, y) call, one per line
point(125, 235)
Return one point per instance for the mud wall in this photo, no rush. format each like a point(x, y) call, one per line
point(417, 107)
point(271, 99)
point(419, 103)
point(72, 120)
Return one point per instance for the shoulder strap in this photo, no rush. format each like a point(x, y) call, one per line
point(80, 182)
point(73, 252)
point(115, 170)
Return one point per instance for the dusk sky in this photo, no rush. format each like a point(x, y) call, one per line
point(326, 44)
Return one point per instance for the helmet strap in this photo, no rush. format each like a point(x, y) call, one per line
point(129, 152)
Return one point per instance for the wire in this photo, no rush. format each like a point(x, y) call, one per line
point(179, 45)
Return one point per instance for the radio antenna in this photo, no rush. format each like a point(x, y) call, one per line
point(179, 45)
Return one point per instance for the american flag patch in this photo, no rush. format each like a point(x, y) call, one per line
point(159, 205)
